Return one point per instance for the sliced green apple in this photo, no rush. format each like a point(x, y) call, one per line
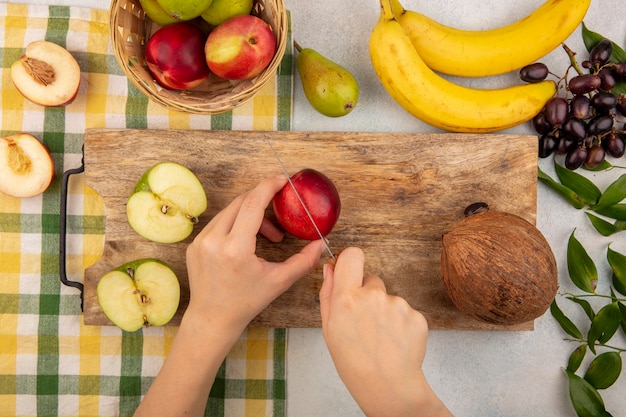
point(145, 292)
point(166, 203)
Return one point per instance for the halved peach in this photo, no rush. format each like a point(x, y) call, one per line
point(47, 74)
point(26, 166)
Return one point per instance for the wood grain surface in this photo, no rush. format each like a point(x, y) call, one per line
point(399, 193)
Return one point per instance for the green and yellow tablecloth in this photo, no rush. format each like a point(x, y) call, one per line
point(51, 364)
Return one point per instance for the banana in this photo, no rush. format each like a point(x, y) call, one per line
point(489, 52)
point(439, 102)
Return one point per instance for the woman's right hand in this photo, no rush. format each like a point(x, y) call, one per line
point(376, 340)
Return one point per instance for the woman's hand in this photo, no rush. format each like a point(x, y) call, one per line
point(229, 286)
point(226, 277)
point(377, 342)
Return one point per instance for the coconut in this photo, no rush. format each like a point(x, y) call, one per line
point(498, 267)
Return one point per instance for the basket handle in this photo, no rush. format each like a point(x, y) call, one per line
point(63, 229)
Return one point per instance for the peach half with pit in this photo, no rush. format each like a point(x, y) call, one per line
point(46, 74)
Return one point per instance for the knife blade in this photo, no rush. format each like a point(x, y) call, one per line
point(306, 209)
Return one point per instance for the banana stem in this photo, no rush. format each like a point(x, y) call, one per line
point(386, 12)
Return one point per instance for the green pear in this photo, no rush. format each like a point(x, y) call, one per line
point(184, 9)
point(330, 88)
point(156, 13)
point(221, 10)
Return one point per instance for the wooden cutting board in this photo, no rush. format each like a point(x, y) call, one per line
point(399, 193)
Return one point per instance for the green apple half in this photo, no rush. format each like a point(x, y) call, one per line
point(166, 203)
point(145, 292)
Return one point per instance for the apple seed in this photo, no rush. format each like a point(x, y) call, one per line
point(193, 219)
point(145, 299)
point(41, 71)
point(17, 159)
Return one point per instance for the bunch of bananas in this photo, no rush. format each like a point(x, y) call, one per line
point(407, 48)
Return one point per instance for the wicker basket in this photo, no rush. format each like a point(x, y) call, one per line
point(130, 29)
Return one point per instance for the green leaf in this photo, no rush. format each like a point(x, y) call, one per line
point(591, 38)
point(604, 370)
point(585, 398)
point(613, 194)
point(583, 187)
point(582, 270)
point(616, 211)
point(567, 194)
point(603, 166)
point(576, 358)
point(602, 226)
point(618, 265)
point(566, 324)
point(586, 306)
point(604, 325)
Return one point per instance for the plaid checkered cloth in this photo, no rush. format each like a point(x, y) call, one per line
point(51, 364)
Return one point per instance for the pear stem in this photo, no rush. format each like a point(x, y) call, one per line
point(297, 46)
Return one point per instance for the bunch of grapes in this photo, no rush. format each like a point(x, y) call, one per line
point(588, 123)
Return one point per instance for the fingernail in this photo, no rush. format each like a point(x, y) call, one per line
point(325, 270)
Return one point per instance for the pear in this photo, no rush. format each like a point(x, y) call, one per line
point(330, 88)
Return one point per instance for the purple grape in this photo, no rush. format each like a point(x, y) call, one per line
point(603, 102)
point(583, 84)
point(565, 145)
point(574, 129)
point(556, 111)
point(540, 123)
point(533, 73)
point(547, 145)
point(607, 80)
point(601, 52)
point(614, 145)
point(600, 124)
point(580, 106)
point(595, 156)
point(575, 158)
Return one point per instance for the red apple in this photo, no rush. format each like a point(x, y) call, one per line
point(240, 48)
point(175, 56)
point(47, 74)
point(319, 195)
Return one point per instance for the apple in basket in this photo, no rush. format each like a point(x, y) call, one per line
point(240, 48)
point(175, 56)
point(46, 74)
point(221, 10)
point(145, 292)
point(27, 169)
point(166, 202)
point(321, 198)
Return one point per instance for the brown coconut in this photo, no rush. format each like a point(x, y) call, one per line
point(498, 268)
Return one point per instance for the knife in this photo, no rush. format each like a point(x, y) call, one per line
point(295, 190)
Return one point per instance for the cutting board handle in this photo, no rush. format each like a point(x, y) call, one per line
point(63, 231)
